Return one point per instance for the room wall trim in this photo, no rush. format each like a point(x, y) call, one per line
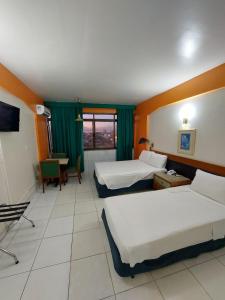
point(64, 103)
point(12, 84)
point(211, 80)
point(205, 166)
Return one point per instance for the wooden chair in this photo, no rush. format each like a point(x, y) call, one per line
point(75, 171)
point(63, 168)
point(50, 169)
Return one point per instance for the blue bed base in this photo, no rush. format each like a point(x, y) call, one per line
point(124, 270)
point(104, 192)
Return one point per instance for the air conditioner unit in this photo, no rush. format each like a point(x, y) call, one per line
point(43, 110)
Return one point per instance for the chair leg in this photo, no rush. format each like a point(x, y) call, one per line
point(79, 178)
point(10, 254)
point(60, 184)
point(64, 177)
point(29, 220)
point(43, 186)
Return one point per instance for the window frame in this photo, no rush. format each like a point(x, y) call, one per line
point(93, 120)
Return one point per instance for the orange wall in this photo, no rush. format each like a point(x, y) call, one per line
point(99, 110)
point(13, 85)
point(206, 82)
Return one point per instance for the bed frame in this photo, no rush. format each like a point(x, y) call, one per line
point(124, 270)
point(182, 165)
point(104, 192)
point(143, 185)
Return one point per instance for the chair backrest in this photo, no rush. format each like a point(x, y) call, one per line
point(59, 155)
point(78, 164)
point(50, 168)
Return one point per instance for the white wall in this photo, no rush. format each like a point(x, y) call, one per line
point(209, 121)
point(17, 155)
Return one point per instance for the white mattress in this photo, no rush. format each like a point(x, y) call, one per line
point(119, 174)
point(148, 225)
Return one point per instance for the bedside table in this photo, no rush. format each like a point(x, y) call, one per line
point(162, 180)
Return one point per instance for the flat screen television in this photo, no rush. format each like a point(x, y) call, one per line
point(9, 117)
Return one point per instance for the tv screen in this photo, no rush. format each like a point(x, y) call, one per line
point(9, 117)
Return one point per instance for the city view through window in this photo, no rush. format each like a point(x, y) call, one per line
point(100, 131)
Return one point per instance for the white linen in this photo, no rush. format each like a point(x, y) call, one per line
point(153, 159)
point(157, 160)
point(145, 156)
point(120, 174)
point(150, 224)
point(210, 185)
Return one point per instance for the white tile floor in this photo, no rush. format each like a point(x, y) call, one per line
point(66, 257)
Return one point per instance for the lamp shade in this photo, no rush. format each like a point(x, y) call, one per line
point(143, 141)
point(79, 119)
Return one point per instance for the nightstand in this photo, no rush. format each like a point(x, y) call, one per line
point(162, 180)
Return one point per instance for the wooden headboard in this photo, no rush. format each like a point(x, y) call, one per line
point(187, 166)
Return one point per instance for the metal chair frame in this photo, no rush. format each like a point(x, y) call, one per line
point(11, 213)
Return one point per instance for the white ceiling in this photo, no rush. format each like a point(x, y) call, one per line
point(120, 51)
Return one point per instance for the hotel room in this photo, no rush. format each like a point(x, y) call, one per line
point(112, 150)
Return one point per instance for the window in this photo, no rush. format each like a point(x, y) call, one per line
point(100, 131)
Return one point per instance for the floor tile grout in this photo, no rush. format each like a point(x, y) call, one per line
point(156, 283)
point(110, 274)
point(35, 257)
point(85, 257)
point(200, 284)
point(71, 249)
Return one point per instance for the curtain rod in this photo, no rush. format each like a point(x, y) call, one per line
point(88, 105)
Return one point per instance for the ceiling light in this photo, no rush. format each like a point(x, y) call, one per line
point(189, 48)
point(78, 119)
point(189, 44)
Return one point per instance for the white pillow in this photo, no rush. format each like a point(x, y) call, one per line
point(145, 156)
point(209, 185)
point(158, 160)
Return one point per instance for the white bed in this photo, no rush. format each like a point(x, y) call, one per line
point(123, 174)
point(147, 225)
point(120, 174)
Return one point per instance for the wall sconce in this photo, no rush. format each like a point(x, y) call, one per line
point(144, 141)
point(186, 114)
point(185, 123)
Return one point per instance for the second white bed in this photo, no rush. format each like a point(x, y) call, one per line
point(147, 225)
point(120, 174)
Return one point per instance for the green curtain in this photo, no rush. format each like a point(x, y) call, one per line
point(125, 133)
point(67, 134)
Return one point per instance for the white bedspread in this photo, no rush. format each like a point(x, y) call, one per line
point(150, 224)
point(119, 174)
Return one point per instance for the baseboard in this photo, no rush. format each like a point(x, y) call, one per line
point(28, 193)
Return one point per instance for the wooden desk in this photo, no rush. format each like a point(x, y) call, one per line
point(62, 161)
point(163, 181)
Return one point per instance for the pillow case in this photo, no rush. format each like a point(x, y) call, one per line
point(158, 160)
point(209, 185)
point(145, 156)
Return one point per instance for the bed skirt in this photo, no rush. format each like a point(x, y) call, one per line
point(124, 270)
point(104, 192)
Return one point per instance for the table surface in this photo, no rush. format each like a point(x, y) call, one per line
point(171, 178)
point(62, 161)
